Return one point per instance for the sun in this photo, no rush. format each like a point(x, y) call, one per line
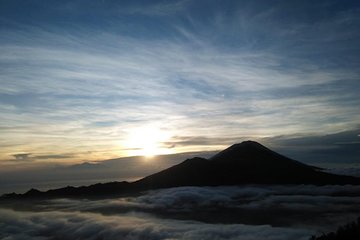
point(147, 141)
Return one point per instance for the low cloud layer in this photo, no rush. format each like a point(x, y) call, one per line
point(76, 225)
point(248, 212)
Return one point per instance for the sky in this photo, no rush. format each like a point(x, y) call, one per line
point(94, 80)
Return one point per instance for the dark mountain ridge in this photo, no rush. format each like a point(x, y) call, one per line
point(244, 163)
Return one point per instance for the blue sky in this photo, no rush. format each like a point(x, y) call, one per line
point(83, 80)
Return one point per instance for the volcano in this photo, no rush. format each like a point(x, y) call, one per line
point(248, 162)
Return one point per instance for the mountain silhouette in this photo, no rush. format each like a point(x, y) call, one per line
point(245, 163)
point(248, 162)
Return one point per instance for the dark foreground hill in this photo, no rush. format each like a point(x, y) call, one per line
point(244, 163)
point(350, 231)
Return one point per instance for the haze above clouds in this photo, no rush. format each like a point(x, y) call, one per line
point(337, 153)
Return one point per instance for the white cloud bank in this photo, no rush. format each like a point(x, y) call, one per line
point(76, 225)
point(249, 212)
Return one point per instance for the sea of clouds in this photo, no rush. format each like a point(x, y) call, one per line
point(248, 212)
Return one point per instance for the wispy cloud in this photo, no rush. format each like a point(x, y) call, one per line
point(156, 9)
point(21, 156)
point(82, 87)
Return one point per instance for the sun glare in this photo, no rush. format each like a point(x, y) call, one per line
point(147, 141)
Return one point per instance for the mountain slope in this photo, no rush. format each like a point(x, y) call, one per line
point(244, 163)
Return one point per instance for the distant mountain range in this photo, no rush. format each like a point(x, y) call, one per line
point(244, 163)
